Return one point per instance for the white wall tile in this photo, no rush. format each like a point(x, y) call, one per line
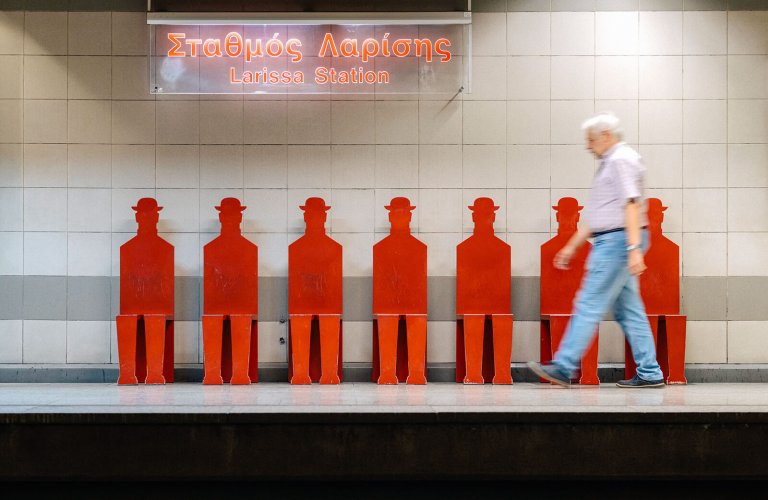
point(528, 122)
point(352, 211)
point(267, 209)
point(705, 254)
point(90, 77)
point(704, 165)
point(746, 165)
point(440, 166)
point(484, 122)
point(178, 122)
point(45, 121)
point(573, 77)
point(484, 166)
point(573, 33)
point(528, 77)
point(308, 122)
point(746, 254)
point(11, 339)
point(88, 209)
point(489, 35)
point(525, 341)
point(704, 121)
point(528, 33)
point(352, 122)
point(11, 32)
point(45, 209)
point(130, 34)
point(748, 77)
point(616, 33)
point(352, 166)
point(489, 74)
point(746, 342)
point(567, 117)
point(440, 122)
point(357, 253)
point(221, 122)
point(123, 216)
point(11, 120)
point(528, 166)
point(441, 342)
point(45, 165)
point(11, 209)
point(44, 342)
point(181, 209)
point(705, 32)
point(746, 121)
point(133, 166)
point(628, 112)
point(748, 32)
point(661, 33)
point(309, 166)
point(441, 210)
point(441, 251)
point(704, 210)
point(221, 166)
point(528, 210)
point(11, 165)
point(89, 165)
point(616, 77)
point(661, 77)
point(572, 167)
point(273, 252)
point(177, 166)
point(89, 122)
point(499, 197)
point(674, 215)
point(357, 341)
point(88, 341)
point(186, 253)
point(704, 77)
point(132, 122)
point(45, 254)
point(397, 166)
point(130, 78)
point(12, 77)
point(266, 166)
point(90, 33)
point(45, 33)
point(264, 122)
point(118, 239)
point(397, 122)
point(611, 343)
point(11, 255)
point(186, 336)
point(747, 208)
point(271, 350)
point(88, 254)
point(661, 122)
point(526, 252)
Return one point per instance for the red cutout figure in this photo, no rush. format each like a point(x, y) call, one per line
point(314, 301)
point(400, 301)
point(230, 302)
point(660, 290)
point(483, 302)
point(145, 322)
point(559, 287)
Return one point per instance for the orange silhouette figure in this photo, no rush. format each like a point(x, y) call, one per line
point(483, 302)
point(315, 301)
point(400, 301)
point(660, 290)
point(559, 287)
point(145, 322)
point(231, 301)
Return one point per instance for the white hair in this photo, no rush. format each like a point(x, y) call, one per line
point(604, 122)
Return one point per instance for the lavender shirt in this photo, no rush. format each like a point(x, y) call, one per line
point(618, 180)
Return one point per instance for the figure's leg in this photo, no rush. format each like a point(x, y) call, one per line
point(301, 326)
point(676, 349)
point(388, 348)
point(630, 313)
point(329, 348)
point(502, 348)
point(417, 349)
point(213, 326)
point(240, 326)
point(154, 326)
point(126, 348)
point(474, 326)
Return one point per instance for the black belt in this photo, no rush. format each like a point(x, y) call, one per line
point(600, 233)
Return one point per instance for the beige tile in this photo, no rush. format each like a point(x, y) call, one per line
point(441, 343)
point(397, 166)
point(528, 122)
point(573, 33)
point(266, 210)
point(45, 209)
point(528, 77)
point(704, 165)
point(133, 122)
point(133, 166)
point(353, 166)
point(273, 257)
point(181, 210)
point(309, 122)
point(484, 166)
point(748, 77)
point(746, 121)
point(746, 165)
point(397, 122)
point(130, 78)
point(528, 166)
point(616, 77)
point(573, 77)
point(616, 33)
point(89, 165)
point(567, 117)
point(705, 32)
point(12, 77)
point(704, 77)
point(177, 166)
point(661, 77)
point(89, 77)
point(124, 219)
point(525, 341)
point(221, 122)
point(489, 34)
point(440, 166)
point(661, 122)
point(45, 253)
point(358, 254)
point(352, 211)
point(11, 120)
point(528, 33)
point(89, 254)
point(704, 121)
point(185, 346)
point(90, 33)
point(528, 211)
point(484, 122)
point(130, 34)
point(357, 339)
point(178, 122)
point(704, 210)
point(748, 32)
point(746, 342)
point(664, 164)
point(88, 210)
point(705, 254)
point(89, 122)
point(45, 33)
point(661, 33)
point(45, 77)
point(526, 252)
point(440, 122)
point(45, 165)
point(221, 166)
point(45, 121)
point(12, 209)
point(489, 76)
point(441, 252)
point(572, 167)
point(266, 166)
point(309, 167)
point(11, 339)
point(271, 350)
point(11, 165)
point(11, 32)
point(611, 343)
point(264, 122)
point(441, 210)
point(747, 208)
point(44, 342)
point(352, 122)
point(746, 254)
point(706, 342)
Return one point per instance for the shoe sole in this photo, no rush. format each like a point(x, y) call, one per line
point(645, 386)
point(536, 368)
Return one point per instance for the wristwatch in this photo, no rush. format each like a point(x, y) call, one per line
point(633, 247)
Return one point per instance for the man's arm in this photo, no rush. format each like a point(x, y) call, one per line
point(564, 256)
point(635, 259)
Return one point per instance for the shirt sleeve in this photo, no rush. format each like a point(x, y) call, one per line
point(629, 178)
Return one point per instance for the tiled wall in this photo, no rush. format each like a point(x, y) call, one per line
point(81, 140)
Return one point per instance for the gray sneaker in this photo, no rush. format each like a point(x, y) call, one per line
point(638, 383)
point(551, 373)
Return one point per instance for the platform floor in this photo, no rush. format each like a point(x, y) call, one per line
point(434, 398)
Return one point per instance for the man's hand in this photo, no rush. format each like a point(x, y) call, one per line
point(563, 258)
point(636, 262)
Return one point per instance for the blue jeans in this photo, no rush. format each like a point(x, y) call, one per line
point(607, 284)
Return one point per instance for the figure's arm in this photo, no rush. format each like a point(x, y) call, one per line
point(635, 259)
point(564, 256)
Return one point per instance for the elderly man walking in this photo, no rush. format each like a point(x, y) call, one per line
point(615, 218)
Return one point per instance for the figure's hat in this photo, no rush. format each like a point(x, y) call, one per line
point(399, 203)
point(655, 205)
point(567, 204)
point(314, 204)
point(230, 205)
point(147, 205)
point(483, 205)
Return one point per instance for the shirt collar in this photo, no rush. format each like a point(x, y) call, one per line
point(612, 150)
